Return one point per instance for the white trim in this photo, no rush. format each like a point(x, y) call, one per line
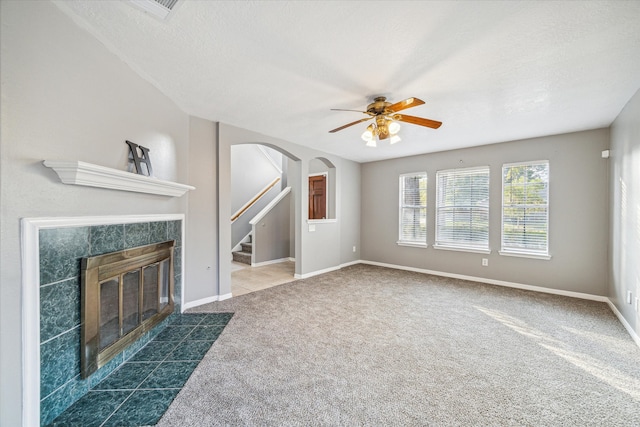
point(322, 221)
point(412, 244)
point(224, 296)
point(30, 257)
point(270, 206)
point(82, 173)
point(525, 255)
point(627, 326)
point(271, 159)
point(461, 249)
point(203, 301)
point(292, 259)
point(350, 263)
point(510, 165)
point(541, 289)
point(315, 273)
point(196, 303)
point(401, 206)
point(273, 261)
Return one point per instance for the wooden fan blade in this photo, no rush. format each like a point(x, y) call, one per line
point(355, 111)
point(418, 121)
point(407, 103)
point(350, 124)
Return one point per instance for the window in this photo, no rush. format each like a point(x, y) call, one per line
point(462, 209)
point(525, 208)
point(413, 208)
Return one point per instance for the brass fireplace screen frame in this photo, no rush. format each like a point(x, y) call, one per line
point(113, 272)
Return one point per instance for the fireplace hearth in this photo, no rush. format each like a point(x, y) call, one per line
point(123, 295)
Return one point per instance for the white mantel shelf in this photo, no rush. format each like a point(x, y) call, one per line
point(81, 173)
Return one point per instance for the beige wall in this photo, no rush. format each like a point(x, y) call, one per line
point(624, 183)
point(578, 213)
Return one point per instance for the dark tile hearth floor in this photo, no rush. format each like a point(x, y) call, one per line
point(140, 391)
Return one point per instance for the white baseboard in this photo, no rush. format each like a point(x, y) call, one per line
point(624, 322)
point(224, 296)
point(315, 273)
point(347, 264)
point(203, 301)
point(572, 294)
point(273, 261)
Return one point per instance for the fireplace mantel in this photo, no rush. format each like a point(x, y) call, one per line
point(82, 173)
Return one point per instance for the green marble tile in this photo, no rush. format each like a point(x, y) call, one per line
point(60, 252)
point(188, 319)
point(54, 404)
point(174, 232)
point(205, 333)
point(136, 234)
point(158, 232)
point(154, 351)
point(92, 409)
point(190, 350)
point(144, 407)
point(177, 260)
point(217, 319)
point(106, 238)
point(128, 377)
point(138, 344)
point(169, 375)
point(174, 333)
point(106, 370)
point(177, 292)
point(59, 308)
point(59, 361)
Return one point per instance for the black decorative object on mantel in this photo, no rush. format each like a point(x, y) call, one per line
point(140, 160)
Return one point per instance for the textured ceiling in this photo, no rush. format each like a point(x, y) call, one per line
point(490, 71)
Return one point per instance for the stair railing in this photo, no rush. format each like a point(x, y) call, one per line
point(253, 201)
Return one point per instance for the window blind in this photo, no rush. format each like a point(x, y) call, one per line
point(525, 208)
point(462, 208)
point(413, 208)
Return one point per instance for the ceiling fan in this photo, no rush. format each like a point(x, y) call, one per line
point(386, 119)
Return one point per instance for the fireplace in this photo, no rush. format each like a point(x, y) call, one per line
point(123, 295)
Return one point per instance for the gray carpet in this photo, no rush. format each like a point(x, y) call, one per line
point(374, 346)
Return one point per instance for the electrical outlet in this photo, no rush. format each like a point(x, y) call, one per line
point(485, 262)
point(638, 305)
point(354, 249)
point(629, 297)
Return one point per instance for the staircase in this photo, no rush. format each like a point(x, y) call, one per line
point(244, 255)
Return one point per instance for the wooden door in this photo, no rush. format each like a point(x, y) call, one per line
point(318, 197)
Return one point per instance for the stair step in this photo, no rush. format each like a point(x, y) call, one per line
point(247, 247)
point(243, 257)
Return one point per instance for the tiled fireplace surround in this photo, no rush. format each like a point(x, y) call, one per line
point(59, 244)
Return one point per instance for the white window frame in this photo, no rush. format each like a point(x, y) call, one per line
point(461, 246)
point(401, 206)
point(524, 252)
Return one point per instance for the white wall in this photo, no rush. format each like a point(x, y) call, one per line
point(624, 184)
point(577, 209)
point(65, 97)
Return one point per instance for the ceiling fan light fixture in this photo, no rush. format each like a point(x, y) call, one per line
point(394, 139)
point(367, 135)
point(394, 128)
point(371, 143)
